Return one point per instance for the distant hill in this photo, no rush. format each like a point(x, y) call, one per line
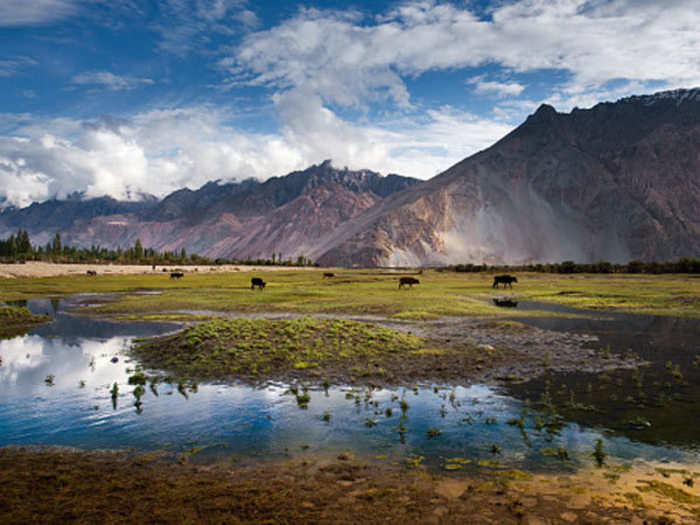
point(248, 219)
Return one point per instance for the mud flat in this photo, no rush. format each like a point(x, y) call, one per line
point(61, 485)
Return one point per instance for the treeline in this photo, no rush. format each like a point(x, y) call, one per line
point(17, 248)
point(682, 265)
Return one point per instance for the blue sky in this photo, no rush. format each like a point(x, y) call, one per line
point(135, 96)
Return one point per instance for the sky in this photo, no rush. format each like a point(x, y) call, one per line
point(148, 96)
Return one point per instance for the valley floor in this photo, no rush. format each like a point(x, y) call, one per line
point(445, 315)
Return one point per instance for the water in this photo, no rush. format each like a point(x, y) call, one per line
point(76, 409)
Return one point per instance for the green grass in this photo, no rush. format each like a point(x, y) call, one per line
point(16, 321)
point(248, 348)
point(370, 292)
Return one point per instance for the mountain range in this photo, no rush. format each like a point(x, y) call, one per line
point(615, 182)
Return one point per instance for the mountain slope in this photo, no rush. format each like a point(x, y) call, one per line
point(234, 220)
point(615, 182)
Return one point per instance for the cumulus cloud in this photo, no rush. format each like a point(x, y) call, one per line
point(110, 80)
point(34, 12)
point(347, 59)
point(159, 151)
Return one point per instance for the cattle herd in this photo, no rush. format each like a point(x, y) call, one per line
point(257, 282)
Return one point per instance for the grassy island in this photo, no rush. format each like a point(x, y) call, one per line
point(16, 321)
point(302, 348)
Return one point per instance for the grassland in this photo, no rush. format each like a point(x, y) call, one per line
point(16, 321)
point(368, 293)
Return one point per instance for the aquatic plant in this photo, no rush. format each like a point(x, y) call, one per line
point(370, 422)
point(81, 383)
point(181, 387)
point(138, 378)
point(388, 412)
point(326, 416)
point(495, 449)
point(50, 379)
point(303, 399)
point(433, 432)
point(598, 453)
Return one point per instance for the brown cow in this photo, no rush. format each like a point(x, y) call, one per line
point(91, 272)
point(328, 274)
point(257, 281)
point(410, 281)
point(176, 275)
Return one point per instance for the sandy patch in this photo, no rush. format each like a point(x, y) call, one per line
point(44, 269)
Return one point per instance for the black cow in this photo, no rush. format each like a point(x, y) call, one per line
point(176, 275)
point(91, 272)
point(410, 281)
point(257, 281)
point(507, 280)
point(328, 274)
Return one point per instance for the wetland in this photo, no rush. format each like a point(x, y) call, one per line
point(351, 386)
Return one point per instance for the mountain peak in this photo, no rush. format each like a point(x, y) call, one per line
point(676, 95)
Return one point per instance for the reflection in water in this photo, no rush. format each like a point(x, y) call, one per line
point(83, 409)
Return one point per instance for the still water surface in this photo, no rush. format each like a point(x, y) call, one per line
point(236, 420)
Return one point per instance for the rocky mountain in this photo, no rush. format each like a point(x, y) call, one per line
point(43, 220)
point(616, 182)
point(233, 220)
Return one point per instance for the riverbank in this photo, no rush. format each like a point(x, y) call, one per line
point(61, 485)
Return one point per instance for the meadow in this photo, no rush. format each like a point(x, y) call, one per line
point(364, 292)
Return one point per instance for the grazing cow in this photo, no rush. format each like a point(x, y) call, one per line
point(176, 275)
point(507, 280)
point(328, 274)
point(410, 281)
point(257, 281)
point(92, 272)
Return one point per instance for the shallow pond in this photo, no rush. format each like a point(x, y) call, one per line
point(55, 389)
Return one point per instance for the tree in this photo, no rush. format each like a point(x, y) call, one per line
point(56, 245)
point(138, 250)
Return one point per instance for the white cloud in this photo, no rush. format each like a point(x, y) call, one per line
point(501, 89)
point(110, 80)
point(34, 12)
point(162, 150)
point(348, 60)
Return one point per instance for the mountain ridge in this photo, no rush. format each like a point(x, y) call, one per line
point(617, 181)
